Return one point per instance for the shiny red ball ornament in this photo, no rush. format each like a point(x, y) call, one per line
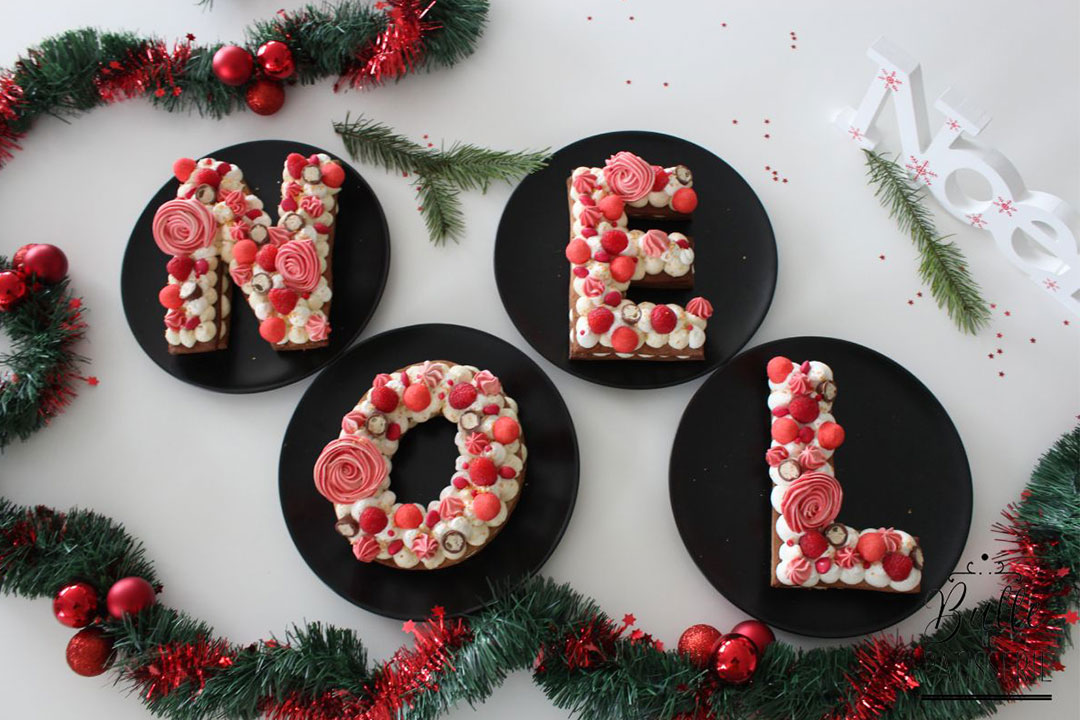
point(758, 633)
point(89, 652)
point(129, 595)
point(12, 289)
point(736, 659)
point(76, 605)
point(275, 59)
point(47, 262)
point(699, 643)
point(265, 96)
point(233, 65)
point(19, 257)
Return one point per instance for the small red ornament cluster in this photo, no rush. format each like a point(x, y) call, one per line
point(90, 651)
point(265, 95)
point(734, 656)
point(32, 264)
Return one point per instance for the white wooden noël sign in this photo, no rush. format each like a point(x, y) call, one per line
point(1035, 230)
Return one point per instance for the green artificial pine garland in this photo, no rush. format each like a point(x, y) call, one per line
point(181, 671)
point(439, 174)
point(942, 266)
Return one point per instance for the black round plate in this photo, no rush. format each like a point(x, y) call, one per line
point(422, 467)
point(250, 364)
point(902, 465)
point(735, 264)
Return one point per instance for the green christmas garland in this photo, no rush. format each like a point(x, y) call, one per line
point(584, 661)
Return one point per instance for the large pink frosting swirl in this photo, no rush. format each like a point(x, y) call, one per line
point(654, 243)
point(628, 176)
point(349, 469)
point(798, 570)
point(488, 383)
point(298, 263)
point(811, 501)
point(181, 227)
point(584, 183)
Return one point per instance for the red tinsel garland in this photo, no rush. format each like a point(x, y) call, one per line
point(396, 49)
point(25, 532)
point(11, 97)
point(883, 672)
point(58, 391)
point(153, 66)
point(179, 664)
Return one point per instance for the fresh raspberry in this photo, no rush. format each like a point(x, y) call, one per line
point(205, 176)
point(600, 320)
point(578, 251)
point(784, 430)
point(272, 329)
point(180, 267)
point(417, 397)
point(779, 368)
point(622, 268)
point(491, 409)
point(612, 298)
point(871, 547)
point(170, 297)
point(897, 566)
point(245, 251)
point(482, 471)
point(813, 544)
point(192, 322)
point(224, 169)
point(393, 431)
point(283, 300)
point(663, 320)
point(780, 411)
point(486, 506)
point(408, 517)
point(506, 430)
point(611, 206)
point(384, 399)
point(183, 168)
point(432, 518)
point(804, 408)
point(830, 435)
point(588, 232)
point(266, 257)
point(373, 520)
point(660, 178)
point(624, 339)
point(602, 256)
point(581, 271)
point(462, 396)
point(806, 434)
point(459, 482)
point(684, 200)
point(613, 241)
point(333, 175)
point(295, 165)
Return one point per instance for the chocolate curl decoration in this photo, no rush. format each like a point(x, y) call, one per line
point(1030, 633)
point(179, 664)
point(152, 67)
point(396, 49)
point(883, 672)
point(11, 98)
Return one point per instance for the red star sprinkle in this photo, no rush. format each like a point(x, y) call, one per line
point(1062, 572)
point(629, 619)
point(1071, 617)
point(1008, 314)
point(637, 635)
point(408, 627)
point(1001, 373)
point(990, 355)
point(1065, 321)
point(1000, 335)
point(665, 84)
point(999, 351)
point(438, 611)
point(881, 257)
point(918, 294)
point(910, 302)
point(75, 303)
point(1058, 667)
point(1032, 341)
point(93, 381)
point(993, 306)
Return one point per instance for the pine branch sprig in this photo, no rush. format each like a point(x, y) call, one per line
point(942, 265)
point(440, 174)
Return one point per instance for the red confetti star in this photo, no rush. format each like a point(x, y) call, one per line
point(1000, 335)
point(1032, 341)
point(1001, 373)
point(93, 381)
point(628, 619)
point(438, 611)
point(990, 355)
point(881, 257)
point(910, 302)
point(408, 627)
point(1062, 572)
point(1071, 617)
point(1008, 314)
point(75, 303)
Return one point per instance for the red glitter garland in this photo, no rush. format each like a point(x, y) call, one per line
point(883, 672)
point(11, 98)
point(151, 67)
point(179, 664)
point(397, 48)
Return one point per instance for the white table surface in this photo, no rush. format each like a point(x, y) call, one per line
point(544, 75)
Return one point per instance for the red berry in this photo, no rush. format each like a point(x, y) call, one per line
point(266, 257)
point(830, 435)
point(373, 520)
point(871, 547)
point(295, 165)
point(205, 176)
point(784, 430)
point(779, 368)
point(506, 430)
point(611, 206)
point(201, 267)
point(491, 409)
point(486, 506)
point(578, 251)
point(806, 434)
point(803, 408)
point(612, 298)
point(460, 482)
point(586, 199)
point(333, 175)
point(822, 565)
point(897, 566)
point(170, 297)
point(244, 251)
point(395, 547)
point(417, 397)
point(393, 431)
point(432, 518)
point(684, 200)
point(622, 268)
point(581, 271)
point(600, 320)
point(183, 168)
point(482, 471)
point(624, 339)
point(408, 517)
point(462, 396)
point(602, 256)
point(180, 267)
point(660, 178)
point(272, 329)
point(683, 243)
point(663, 319)
point(384, 399)
point(223, 169)
point(507, 472)
point(813, 544)
point(283, 300)
point(613, 241)
point(192, 322)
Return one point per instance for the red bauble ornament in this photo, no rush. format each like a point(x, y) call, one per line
point(265, 96)
point(76, 605)
point(736, 659)
point(128, 596)
point(275, 59)
point(233, 65)
point(757, 632)
point(48, 262)
point(699, 643)
point(89, 652)
point(12, 289)
point(20, 256)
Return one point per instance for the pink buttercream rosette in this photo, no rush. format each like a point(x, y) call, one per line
point(182, 226)
point(628, 176)
point(349, 469)
point(811, 501)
